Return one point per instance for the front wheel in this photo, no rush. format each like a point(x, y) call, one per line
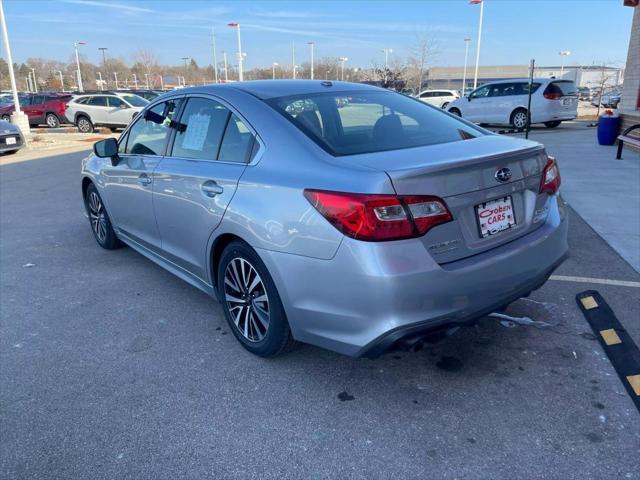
point(553, 124)
point(455, 111)
point(99, 219)
point(519, 119)
point(52, 120)
point(6, 118)
point(251, 302)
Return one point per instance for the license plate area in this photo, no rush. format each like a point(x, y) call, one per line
point(495, 216)
point(10, 140)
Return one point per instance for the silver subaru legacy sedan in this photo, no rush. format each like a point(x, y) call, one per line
point(336, 214)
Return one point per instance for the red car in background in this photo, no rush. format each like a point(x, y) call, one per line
point(41, 108)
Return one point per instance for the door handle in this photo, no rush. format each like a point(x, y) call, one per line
point(211, 188)
point(144, 179)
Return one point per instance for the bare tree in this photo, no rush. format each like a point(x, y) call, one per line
point(421, 56)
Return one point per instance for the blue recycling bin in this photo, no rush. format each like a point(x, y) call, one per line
point(608, 129)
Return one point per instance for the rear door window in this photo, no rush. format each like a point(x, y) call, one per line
point(237, 143)
point(202, 125)
point(115, 102)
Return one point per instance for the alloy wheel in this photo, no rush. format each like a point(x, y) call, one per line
point(84, 125)
point(520, 120)
point(247, 300)
point(52, 121)
point(97, 216)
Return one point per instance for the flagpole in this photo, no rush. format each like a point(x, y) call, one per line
point(475, 78)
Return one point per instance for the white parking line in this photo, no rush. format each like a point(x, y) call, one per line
point(600, 281)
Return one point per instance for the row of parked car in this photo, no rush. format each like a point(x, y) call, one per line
point(506, 102)
point(113, 109)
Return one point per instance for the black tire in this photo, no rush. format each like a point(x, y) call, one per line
point(6, 118)
point(99, 220)
point(519, 119)
point(84, 124)
point(52, 120)
point(249, 311)
point(553, 124)
point(455, 111)
point(445, 105)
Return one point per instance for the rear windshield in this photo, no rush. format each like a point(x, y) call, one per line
point(563, 87)
point(353, 123)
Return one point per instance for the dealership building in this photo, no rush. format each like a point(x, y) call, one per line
point(583, 75)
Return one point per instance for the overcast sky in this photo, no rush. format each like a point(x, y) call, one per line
point(514, 30)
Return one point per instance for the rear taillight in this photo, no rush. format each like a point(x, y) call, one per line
point(376, 218)
point(550, 182)
point(552, 96)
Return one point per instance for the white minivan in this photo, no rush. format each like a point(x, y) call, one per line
point(505, 103)
point(438, 98)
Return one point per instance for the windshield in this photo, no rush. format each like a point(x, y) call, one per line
point(135, 100)
point(353, 123)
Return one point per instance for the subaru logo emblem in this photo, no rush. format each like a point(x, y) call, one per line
point(503, 175)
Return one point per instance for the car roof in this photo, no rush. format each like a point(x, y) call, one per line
point(265, 89)
point(526, 79)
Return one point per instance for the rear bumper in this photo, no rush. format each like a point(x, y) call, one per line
point(10, 148)
point(371, 295)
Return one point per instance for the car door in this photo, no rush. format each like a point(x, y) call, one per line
point(478, 106)
point(129, 184)
point(194, 184)
point(119, 112)
point(97, 109)
point(35, 110)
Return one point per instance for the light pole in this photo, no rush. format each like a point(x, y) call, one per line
point(475, 2)
point(104, 62)
point(342, 60)
point(239, 54)
point(273, 70)
point(100, 81)
point(18, 117)
point(35, 82)
point(386, 52)
point(215, 57)
point(75, 45)
point(185, 59)
point(115, 76)
point(146, 79)
point(311, 46)
point(563, 53)
point(293, 60)
point(135, 81)
point(226, 70)
point(161, 82)
point(61, 80)
point(464, 72)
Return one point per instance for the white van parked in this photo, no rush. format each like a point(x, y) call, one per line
point(438, 98)
point(505, 103)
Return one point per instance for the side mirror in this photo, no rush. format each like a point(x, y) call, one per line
point(469, 97)
point(107, 148)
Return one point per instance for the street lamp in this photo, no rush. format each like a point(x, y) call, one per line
point(104, 61)
point(311, 46)
point(146, 78)
point(100, 81)
point(563, 53)
point(35, 82)
point(135, 81)
point(226, 70)
point(75, 45)
point(386, 52)
point(293, 60)
point(115, 76)
point(273, 70)
point(215, 57)
point(475, 2)
point(342, 60)
point(239, 54)
point(185, 60)
point(61, 80)
point(464, 72)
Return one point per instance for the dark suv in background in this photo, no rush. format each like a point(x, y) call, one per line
point(41, 108)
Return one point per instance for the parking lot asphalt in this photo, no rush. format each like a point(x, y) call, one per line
point(111, 367)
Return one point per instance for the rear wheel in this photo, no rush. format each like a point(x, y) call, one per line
point(251, 302)
point(519, 119)
point(553, 124)
point(52, 120)
point(445, 105)
point(455, 111)
point(99, 220)
point(6, 118)
point(84, 124)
